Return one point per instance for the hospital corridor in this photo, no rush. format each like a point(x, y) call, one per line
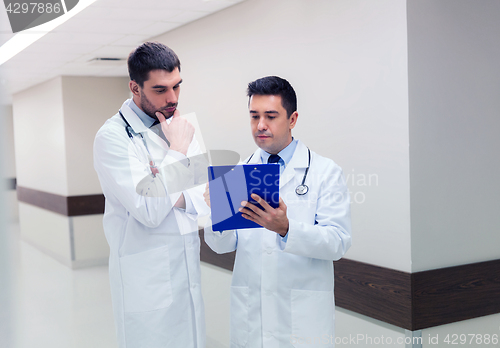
point(378, 121)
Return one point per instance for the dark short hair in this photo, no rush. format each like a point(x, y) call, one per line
point(274, 85)
point(151, 56)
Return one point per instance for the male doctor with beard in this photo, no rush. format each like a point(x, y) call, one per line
point(282, 284)
point(150, 218)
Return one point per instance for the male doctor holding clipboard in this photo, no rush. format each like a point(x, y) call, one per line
point(282, 285)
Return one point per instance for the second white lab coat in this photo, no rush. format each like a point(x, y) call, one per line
point(154, 263)
point(282, 293)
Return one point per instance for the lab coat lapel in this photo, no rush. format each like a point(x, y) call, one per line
point(133, 120)
point(255, 159)
point(297, 164)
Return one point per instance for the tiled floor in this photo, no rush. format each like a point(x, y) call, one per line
point(52, 305)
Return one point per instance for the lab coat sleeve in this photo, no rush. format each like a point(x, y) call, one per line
point(330, 237)
point(221, 243)
point(120, 169)
point(198, 164)
point(195, 203)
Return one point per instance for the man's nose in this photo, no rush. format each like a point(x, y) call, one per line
point(262, 124)
point(171, 97)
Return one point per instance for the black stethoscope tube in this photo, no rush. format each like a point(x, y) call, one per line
point(127, 127)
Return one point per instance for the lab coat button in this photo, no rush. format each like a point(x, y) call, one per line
point(269, 251)
point(267, 335)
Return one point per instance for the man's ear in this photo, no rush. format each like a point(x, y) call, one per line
point(293, 119)
point(134, 88)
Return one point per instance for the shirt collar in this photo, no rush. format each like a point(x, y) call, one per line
point(145, 118)
point(286, 154)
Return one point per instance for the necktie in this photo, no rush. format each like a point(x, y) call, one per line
point(273, 159)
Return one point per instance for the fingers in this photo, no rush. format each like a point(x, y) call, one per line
point(261, 201)
point(206, 195)
point(247, 211)
point(160, 116)
point(249, 208)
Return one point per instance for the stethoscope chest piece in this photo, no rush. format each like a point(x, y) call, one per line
point(301, 190)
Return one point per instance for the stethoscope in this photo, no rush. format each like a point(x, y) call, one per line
point(128, 127)
point(152, 166)
point(302, 189)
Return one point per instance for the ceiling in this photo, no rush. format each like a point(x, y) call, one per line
point(107, 28)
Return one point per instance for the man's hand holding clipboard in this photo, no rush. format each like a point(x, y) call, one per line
point(245, 196)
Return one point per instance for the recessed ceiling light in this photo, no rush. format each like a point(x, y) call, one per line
point(105, 61)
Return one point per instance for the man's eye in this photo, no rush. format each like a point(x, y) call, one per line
point(176, 87)
point(271, 117)
point(160, 91)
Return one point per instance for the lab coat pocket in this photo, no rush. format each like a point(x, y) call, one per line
point(146, 280)
point(239, 316)
point(312, 317)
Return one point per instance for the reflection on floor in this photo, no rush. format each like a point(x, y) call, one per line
point(54, 306)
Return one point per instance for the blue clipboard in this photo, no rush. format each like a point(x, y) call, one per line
point(230, 185)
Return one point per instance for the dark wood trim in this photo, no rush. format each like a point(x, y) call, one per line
point(68, 206)
point(45, 200)
point(85, 205)
point(377, 292)
point(452, 294)
point(412, 301)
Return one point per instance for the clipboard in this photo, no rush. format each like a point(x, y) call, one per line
point(230, 185)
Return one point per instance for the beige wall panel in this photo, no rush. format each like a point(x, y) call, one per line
point(454, 127)
point(88, 103)
point(47, 231)
point(39, 138)
point(355, 330)
point(7, 142)
point(216, 286)
point(89, 240)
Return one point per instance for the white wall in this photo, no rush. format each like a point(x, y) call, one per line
point(454, 50)
point(347, 61)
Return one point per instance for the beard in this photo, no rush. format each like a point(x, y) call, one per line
point(150, 109)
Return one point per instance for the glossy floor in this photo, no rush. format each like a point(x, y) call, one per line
point(53, 306)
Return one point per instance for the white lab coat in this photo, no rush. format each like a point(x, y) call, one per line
point(282, 293)
point(154, 263)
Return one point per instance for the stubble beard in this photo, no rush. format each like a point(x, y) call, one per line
point(150, 110)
